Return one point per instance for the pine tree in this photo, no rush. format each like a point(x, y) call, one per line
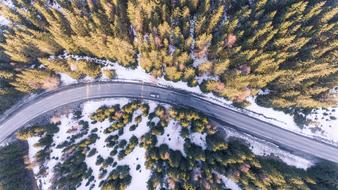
point(31, 80)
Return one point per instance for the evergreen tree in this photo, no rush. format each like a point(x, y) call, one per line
point(32, 80)
point(13, 171)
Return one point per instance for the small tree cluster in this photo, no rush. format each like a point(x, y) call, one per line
point(119, 178)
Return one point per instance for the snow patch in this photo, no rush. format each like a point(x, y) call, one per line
point(4, 21)
point(172, 137)
point(66, 79)
point(229, 183)
point(264, 148)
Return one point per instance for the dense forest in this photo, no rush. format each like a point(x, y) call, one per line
point(200, 164)
point(13, 167)
point(8, 94)
point(233, 49)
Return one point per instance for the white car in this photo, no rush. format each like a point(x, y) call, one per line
point(154, 95)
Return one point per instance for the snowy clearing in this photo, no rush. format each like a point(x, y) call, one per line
point(68, 123)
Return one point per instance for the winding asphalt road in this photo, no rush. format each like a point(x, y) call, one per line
point(83, 92)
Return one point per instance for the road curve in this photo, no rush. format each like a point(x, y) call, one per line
point(82, 92)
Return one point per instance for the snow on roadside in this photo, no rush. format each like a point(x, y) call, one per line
point(324, 122)
point(264, 148)
point(66, 79)
point(325, 129)
point(283, 119)
point(91, 106)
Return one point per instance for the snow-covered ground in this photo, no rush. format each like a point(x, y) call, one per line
point(328, 132)
point(171, 137)
point(324, 122)
point(230, 184)
point(66, 80)
point(137, 157)
point(68, 122)
point(263, 148)
point(3, 21)
point(323, 128)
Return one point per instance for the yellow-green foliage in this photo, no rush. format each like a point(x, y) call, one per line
point(280, 45)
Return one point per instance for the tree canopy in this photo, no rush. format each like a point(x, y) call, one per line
point(233, 49)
